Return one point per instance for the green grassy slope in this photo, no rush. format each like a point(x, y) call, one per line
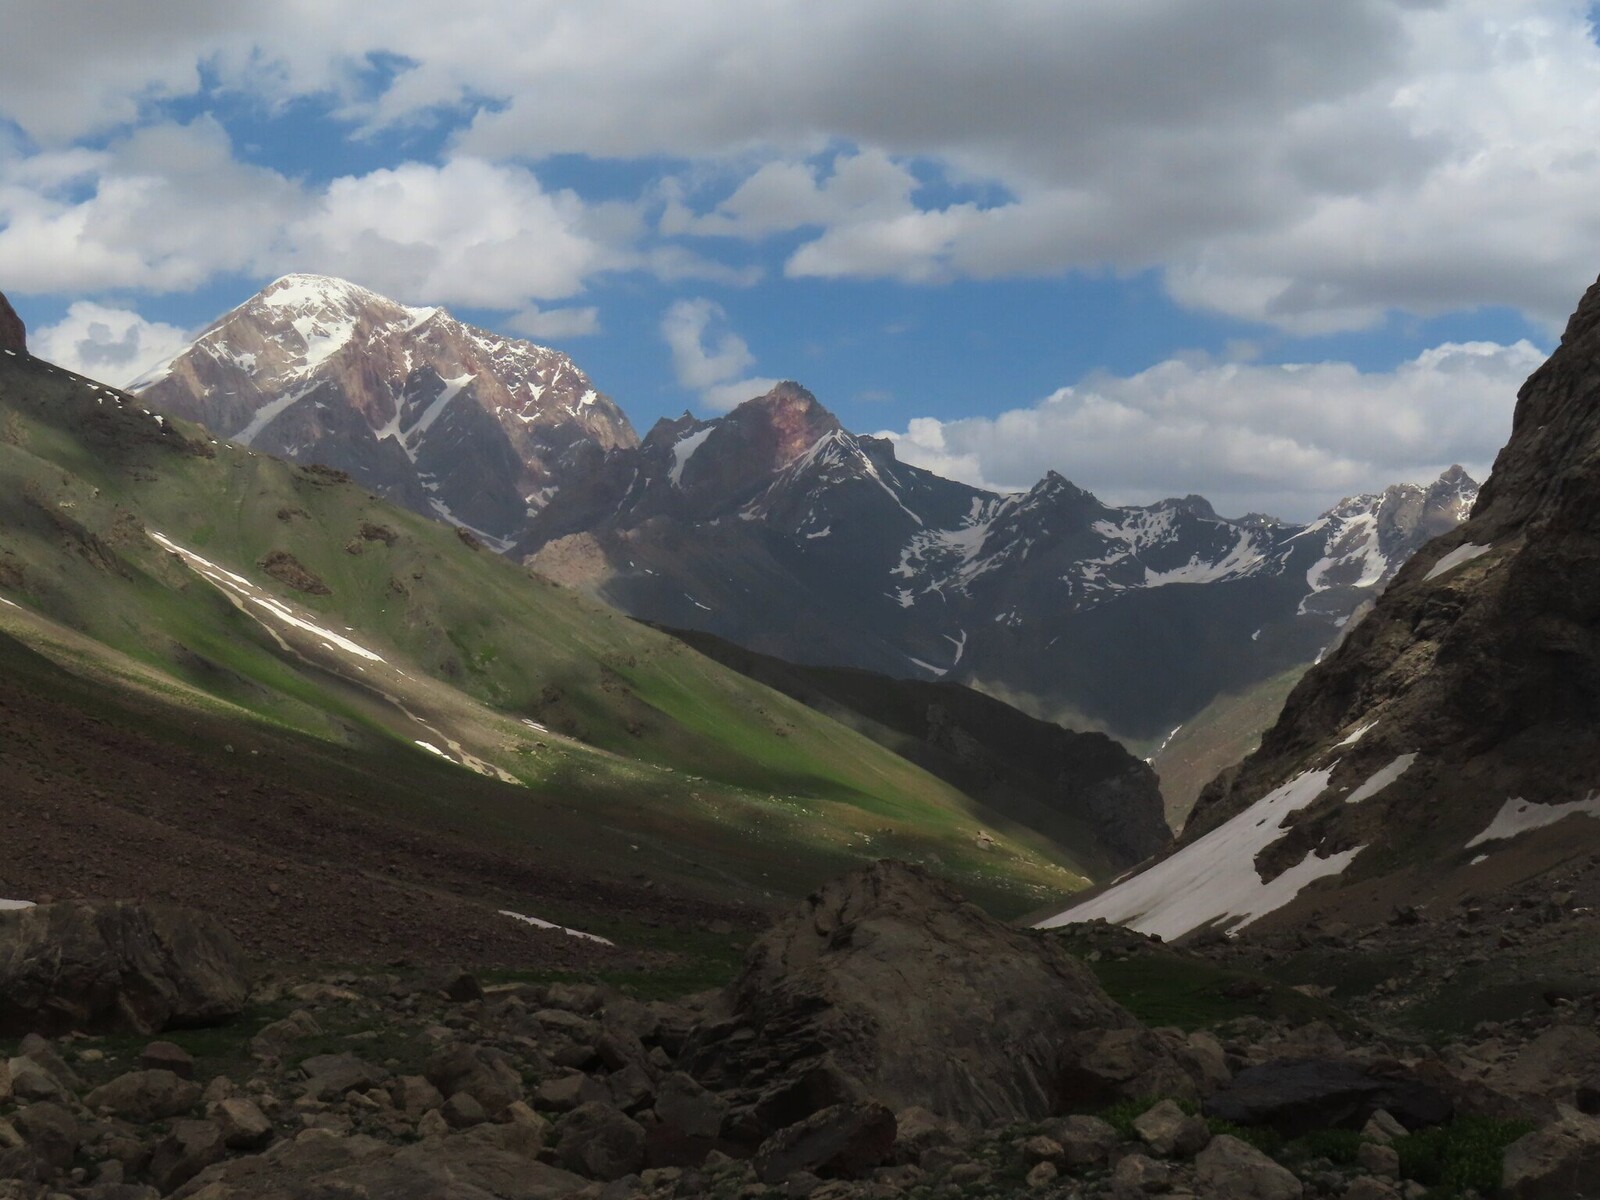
point(638, 741)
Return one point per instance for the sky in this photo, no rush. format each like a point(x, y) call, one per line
point(1270, 253)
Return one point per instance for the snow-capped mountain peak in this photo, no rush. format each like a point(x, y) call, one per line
point(451, 420)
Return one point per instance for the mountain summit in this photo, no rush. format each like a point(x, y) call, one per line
point(445, 418)
point(775, 527)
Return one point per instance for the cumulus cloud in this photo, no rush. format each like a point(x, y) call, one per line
point(556, 323)
point(708, 357)
point(1312, 166)
point(1282, 439)
point(113, 345)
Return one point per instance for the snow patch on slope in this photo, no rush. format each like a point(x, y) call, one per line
point(1463, 553)
point(683, 450)
point(1214, 878)
point(1381, 779)
point(1519, 816)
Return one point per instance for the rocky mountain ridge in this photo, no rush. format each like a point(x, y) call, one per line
point(445, 418)
point(780, 530)
point(1446, 751)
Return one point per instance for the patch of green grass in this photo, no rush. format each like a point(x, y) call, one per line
point(1338, 1146)
point(1164, 988)
point(1465, 1154)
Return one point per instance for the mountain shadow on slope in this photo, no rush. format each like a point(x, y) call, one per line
point(1084, 791)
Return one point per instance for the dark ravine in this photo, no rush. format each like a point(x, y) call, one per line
point(1080, 789)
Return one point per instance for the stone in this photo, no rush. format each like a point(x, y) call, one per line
point(918, 1130)
point(166, 1056)
point(887, 984)
point(461, 1111)
point(524, 1131)
point(598, 1141)
point(1085, 1141)
point(1105, 1065)
point(1039, 1148)
point(1297, 1097)
point(844, 1141)
point(277, 1038)
point(432, 1124)
point(1041, 1175)
point(1170, 1132)
point(145, 1096)
point(188, 1149)
point(51, 1132)
point(1558, 1162)
point(463, 987)
point(118, 966)
point(1382, 1128)
point(244, 1126)
point(1378, 1159)
point(480, 1072)
point(414, 1095)
point(631, 1088)
point(1368, 1188)
point(30, 1080)
point(683, 1103)
point(566, 1092)
point(13, 334)
point(1235, 1169)
point(329, 1076)
point(1138, 1175)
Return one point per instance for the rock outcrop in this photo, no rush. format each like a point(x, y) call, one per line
point(887, 986)
point(13, 335)
point(116, 966)
point(1456, 724)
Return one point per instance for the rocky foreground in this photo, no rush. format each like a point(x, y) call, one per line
point(886, 1040)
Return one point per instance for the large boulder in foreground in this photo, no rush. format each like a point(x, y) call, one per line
point(886, 985)
point(116, 966)
point(13, 336)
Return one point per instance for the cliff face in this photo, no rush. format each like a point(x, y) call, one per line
point(13, 335)
point(1452, 742)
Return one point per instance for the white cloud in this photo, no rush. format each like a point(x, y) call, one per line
point(1281, 439)
point(1309, 165)
point(708, 357)
point(467, 232)
point(113, 345)
point(556, 323)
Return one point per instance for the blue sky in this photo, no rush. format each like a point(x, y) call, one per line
point(1274, 254)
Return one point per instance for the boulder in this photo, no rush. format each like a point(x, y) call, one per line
point(1170, 1132)
point(165, 1056)
point(244, 1126)
point(1559, 1162)
point(51, 1132)
point(1138, 1175)
point(117, 966)
point(885, 984)
point(1105, 1065)
point(598, 1141)
point(13, 335)
point(1300, 1096)
point(481, 1073)
point(1235, 1169)
point(190, 1148)
point(29, 1079)
point(1084, 1141)
point(277, 1038)
point(145, 1096)
point(329, 1076)
point(842, 1142)
point(682, 1103)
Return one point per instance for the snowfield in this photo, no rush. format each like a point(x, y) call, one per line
point(1519, 816)
point(1214, 879)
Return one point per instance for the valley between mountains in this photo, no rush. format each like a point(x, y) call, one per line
point(481, 800)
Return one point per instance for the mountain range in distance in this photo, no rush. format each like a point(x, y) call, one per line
point(777, 529)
